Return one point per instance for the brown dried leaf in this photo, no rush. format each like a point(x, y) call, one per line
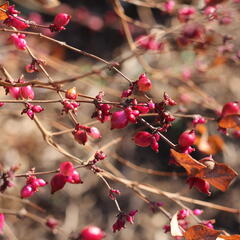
point(220, 176)
point(191, 165)
point(3, 15)
point(200, 232)
point(233, 237)
point(230, 121)
point(175, 229)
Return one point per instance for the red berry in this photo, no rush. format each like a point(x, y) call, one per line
point(187, 138)
point(14, 92)
point(61, 20)
point(91, 233)
point(58, 182)
point(94, 133)
point(27, 191)
point(230, 108)
point(66, 168)
point(80, 136)
point(119, 120)
point(27, 92)
point(143, 139)
point(74, 178)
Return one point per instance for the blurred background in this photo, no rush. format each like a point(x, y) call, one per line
point(200, 78)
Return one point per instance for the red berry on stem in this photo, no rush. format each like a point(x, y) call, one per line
point(27, 191)
point(66, 168)
point(58, 182)
point(119, 120)
point(143, 139)
point(187, 138)
point(91, 233)
point(230, 108)
point(61, 20)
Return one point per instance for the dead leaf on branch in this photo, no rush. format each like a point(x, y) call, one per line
point(220, 176)
point(230, 121)
point(201, 232)
point(191, 165)
point(3, 15)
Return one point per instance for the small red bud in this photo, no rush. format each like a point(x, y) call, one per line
point(71, 93)
point(144, 83)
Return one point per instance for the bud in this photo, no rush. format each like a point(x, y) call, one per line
point(71, 93)
point(144, 83)
point(37, 108)
point(80, 136)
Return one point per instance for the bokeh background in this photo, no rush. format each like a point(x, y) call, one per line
point(96, 28)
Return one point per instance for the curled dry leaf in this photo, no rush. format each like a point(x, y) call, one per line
point(3, 15)
point(220, 176)
point(230, 121)
point(175, 228)
point(201, 232)
point(191, 165)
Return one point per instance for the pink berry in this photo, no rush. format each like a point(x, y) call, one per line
point(27, 92)
point(41, 182)
point(52, 223)
point(143, 139)
point(61, 19)
point(14, 92)
point(75, 178)
point(37, 108)
point(197, 212)
point(187, 138)
point(144, 83)
point(169, 6)
point(80, 136)
point(27, 191)
point(66, 168)
point(2, 221)
point(119, 119)
point(18, 22)
point(18, 40)
point(91, 233)
point(58, 182)
point(230, 108)
point(94, 133)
